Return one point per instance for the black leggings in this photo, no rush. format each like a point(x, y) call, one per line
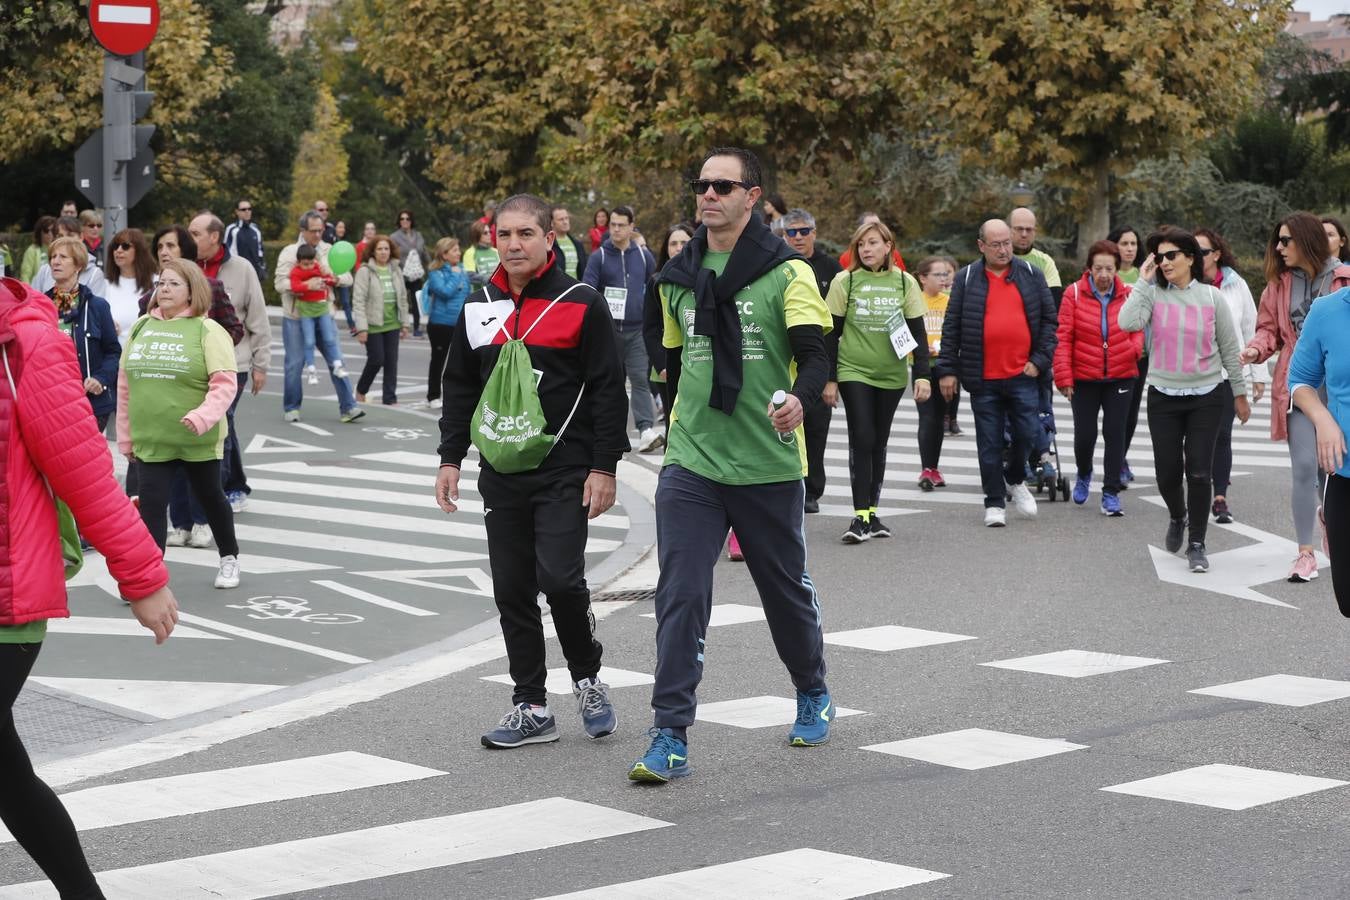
point(1132, 419)
point(1184, 430)
point(1223, 446)
point(1112, 399)
point(439, 335)
point(156, 480)
point(413, 306)
point(933, 416)
point(381, 352)
point(29, 808)
point(1336, 509)
point(870, 411)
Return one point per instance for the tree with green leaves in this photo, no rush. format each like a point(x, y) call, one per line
point(1084, 89)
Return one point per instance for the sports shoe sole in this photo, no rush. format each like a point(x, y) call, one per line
point(881, 535)
point(535, 739)
point(803, 742)
point(1200, 568)
point(643, 775)
point(1299, 579)
point(927, 484)
point(596, 737)
point(851, 538)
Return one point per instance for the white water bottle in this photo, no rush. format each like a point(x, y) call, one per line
point(778, 399)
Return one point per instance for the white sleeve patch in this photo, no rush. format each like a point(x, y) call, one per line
point(483, 320)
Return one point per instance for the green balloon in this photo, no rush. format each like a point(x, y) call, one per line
point(341, 258)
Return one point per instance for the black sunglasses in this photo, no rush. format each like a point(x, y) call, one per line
point(122, 245)
point(1169, 255)
point(798, 232)
point(245, 209)
point(722, 186)
point(1284, 240)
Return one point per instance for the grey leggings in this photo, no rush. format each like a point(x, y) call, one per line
point(1306, 489)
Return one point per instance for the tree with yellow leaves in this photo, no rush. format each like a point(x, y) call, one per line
point(320, 169)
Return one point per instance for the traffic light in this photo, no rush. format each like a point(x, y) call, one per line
point(125, 102)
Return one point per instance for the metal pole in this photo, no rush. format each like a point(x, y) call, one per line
point(115, 120)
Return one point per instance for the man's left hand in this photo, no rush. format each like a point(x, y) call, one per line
point(598, 493)
point(1031, 371)
point(259, 380)
point(788, 416)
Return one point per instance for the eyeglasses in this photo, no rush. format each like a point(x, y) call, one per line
point(798, 232)
point(244, 209)
point(93, 224)
point(722, 186)
point(1284, 240)
point(405, 218)
point(997, 245)
point(122, 245)
point(1208, 251)
point(1169, 256)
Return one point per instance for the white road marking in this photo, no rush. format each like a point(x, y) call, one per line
point(312, 429)
point(263, 443)
point(348, 545)
point(126, 627)
point(1225, 787)
point(261, 637)
point(375, 599)
point(161, 699)
point(975, 748)
point(1075, 663)
point(758, 712)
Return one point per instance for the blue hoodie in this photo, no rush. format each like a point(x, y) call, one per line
point(609, 270)
point(1322, 356)
point(447, 289)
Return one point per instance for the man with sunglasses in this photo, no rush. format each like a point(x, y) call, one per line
point(742, 310)
point(329, 229)
point(799, 230)
point(244, 240)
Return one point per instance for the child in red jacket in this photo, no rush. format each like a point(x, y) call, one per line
point(311, 303)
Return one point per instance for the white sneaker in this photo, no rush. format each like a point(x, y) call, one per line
point(1022, 501)
point(228, 576)
point(292, 415)
point(650, 441)
point(434, 404)
point(178, 537)
point(339, 371)
point(311, 375)
point(995, 517)
point(200, 537)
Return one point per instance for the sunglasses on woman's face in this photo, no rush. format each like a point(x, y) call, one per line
point(122, 245)
point(1284, 240)
point(1169, 256)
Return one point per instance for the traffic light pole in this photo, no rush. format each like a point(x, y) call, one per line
point(117, 123)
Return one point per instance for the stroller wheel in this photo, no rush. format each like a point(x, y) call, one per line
point(1064, 487)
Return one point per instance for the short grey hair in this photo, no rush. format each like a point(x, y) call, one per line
point(797, 214)
point(306, 217)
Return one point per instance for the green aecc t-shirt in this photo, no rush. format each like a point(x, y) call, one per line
point(866, 301)
point(169, 364)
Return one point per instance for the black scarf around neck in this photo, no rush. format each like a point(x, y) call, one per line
point(757, 252)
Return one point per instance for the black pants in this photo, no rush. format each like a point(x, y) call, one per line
point(1222, 469)
point(413, 306)
point(1112, 399)
point(662, 389)
point(1184, 430)
point(1136, 400)
point(29, 808)
point(537, 542)
point(1336, 509)
point(156, 484)
point(934, 413)
point(439, 335)
point(870, 412)
point(816, 426)
point(381, 353)
point(953, 406)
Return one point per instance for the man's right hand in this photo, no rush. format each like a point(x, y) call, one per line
point(158, 612)
point(447, 488)
point(830, 396)
point(948, 387)
point(1248, 354)
point(361, 337)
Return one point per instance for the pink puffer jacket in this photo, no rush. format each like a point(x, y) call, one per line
point(48, 430)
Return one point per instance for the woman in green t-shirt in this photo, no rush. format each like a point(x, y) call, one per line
point(380, 308)
point(176, 382)
point(873, 303)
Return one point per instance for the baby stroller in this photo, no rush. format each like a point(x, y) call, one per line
point(1041, 471)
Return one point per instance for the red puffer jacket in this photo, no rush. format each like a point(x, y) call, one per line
point(48, 430)
point(1080, 354)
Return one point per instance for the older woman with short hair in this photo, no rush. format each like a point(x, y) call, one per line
point(87, 319)
point(177, 380)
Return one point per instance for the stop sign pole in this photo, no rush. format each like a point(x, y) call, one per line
point(124, 28)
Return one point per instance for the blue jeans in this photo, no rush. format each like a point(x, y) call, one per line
point(635, 365)
point(326, 341)
point(344, 296)
point(1016, 401)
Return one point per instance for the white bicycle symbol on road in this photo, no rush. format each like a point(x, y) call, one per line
point(397, 434)
point(268, 607)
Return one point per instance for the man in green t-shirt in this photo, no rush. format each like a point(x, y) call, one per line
point(746, 317)
point(1022, 221)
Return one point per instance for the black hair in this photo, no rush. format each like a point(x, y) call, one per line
point(1119, 232)
point(1185, 242)
point(305, 252)
point(663, 254)
point(625, 211)
point(187, 247)
point(751, 173)
point(530, 205)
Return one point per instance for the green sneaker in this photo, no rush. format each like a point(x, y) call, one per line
point(352, 415)
point(667, 758)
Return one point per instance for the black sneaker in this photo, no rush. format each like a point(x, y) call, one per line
point(812, 505)
point(1176, 530)
point(858, 531)
point(877, 528)
point(1195, 557)
point(1222, 515)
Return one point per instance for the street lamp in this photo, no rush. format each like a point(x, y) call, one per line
point(1021, 194)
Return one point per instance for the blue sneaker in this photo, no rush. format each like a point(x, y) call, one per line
point(597, 713)
point(1111, 506)
point(1081, 487)
point(667, 758)
point(520, 727)
point(814, 712)
point(1126, 476)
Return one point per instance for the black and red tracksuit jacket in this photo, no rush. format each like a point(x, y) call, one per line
point(574, 351)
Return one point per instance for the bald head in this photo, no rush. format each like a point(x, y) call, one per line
point(1023, 224)
point(208, 232)
point(996, 244)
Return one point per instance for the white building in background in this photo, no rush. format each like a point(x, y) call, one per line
point(1331, 36)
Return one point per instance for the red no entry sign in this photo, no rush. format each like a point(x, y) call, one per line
point(124, 27)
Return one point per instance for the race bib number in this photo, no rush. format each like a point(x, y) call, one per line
point(617, 298)
point(901, 337)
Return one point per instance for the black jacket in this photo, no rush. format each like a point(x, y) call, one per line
point(573, 348)
point(962, 352)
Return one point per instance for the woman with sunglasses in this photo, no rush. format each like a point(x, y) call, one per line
point(35, 256)
point(1193, 345)
point(1299, 269)
point(410, 242)
point(1221, 271)
point(869, 376)
point(131, 274)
